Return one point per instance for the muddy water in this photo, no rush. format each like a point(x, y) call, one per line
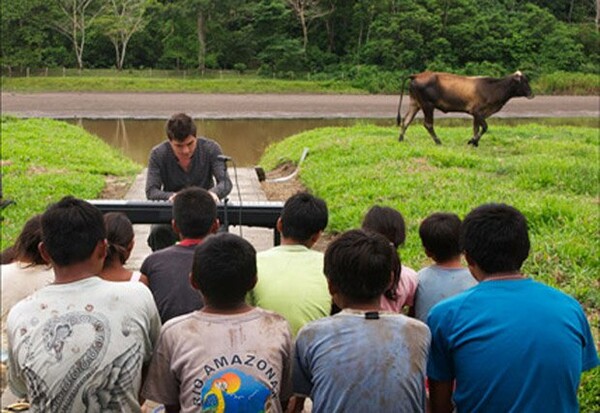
point(246, 139)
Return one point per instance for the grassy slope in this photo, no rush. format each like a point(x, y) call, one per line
point(549, 173)
point(48, 159)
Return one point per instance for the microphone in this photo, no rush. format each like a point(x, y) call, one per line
point(224, 158)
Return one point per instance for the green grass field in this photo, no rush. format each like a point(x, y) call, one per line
point(44, 160)
point(98, 80)
point(549, 173)
point(169, 85)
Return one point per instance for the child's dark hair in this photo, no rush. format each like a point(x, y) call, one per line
point(224, 269)
point(495, 237)
point(119, 234)
point(8, 255)
point(303, 216)
point(194, 212)
point(440, 236)
point(180, 126)
point(389, 223)
point(359, 264)
point(71, 230)
point(26, 246)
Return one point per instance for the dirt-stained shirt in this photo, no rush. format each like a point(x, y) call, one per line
point(81, 346)
point(225, 363)
point(362, 362)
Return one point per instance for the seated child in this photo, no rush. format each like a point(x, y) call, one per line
point(228, 356)
point(511, 344)
point(390, 223)
point(119, 234)
point(361, 359)
point(440, 234)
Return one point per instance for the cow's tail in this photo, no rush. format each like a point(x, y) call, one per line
point(399, 115)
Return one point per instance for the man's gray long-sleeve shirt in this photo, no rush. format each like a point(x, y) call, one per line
point(166, 177)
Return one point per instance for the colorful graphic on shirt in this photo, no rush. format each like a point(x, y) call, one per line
point(235, 391)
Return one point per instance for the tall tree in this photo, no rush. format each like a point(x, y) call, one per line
point(306, 11)
point(73, 19)
point(120, 20)
point(202, 11)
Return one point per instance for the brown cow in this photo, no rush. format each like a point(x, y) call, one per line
point(480, 97)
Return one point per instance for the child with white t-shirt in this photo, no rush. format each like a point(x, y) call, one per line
point(227, 356)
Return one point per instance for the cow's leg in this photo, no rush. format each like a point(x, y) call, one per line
point(413, 109)
point(428, 123)
point(476, 120)
point(479, 128)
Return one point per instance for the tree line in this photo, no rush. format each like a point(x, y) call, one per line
point(285, 37)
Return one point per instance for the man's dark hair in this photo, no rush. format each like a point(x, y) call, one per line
point(194, 212)
point(303, 216)
point(224, 269)
point(495, 237)
point(180, 126)
point(387, 222)
point(71, 230)
point(440, 235)
point(26, 246)
point(359, 264)
point(119, 234)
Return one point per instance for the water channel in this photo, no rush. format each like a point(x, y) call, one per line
point(246, 139)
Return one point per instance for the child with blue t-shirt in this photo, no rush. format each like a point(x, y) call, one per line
point(512, 344)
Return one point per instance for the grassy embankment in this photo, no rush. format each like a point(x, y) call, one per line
point(139, 81)
point(549, 173)
point(169, 85)
point(44, 160)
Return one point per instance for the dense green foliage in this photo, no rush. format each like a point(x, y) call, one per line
point(345, 38)
point(549, 173)
point(45, 160)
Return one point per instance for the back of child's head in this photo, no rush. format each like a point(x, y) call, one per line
point(390, 223)
point(224, 269)
point(495, 237)
point(303, 216)
point(194, 212)
point(71, 230)
point(26, 246)
point(440, 236)
point(387, 222)
point(119, 234)
point(359, 264)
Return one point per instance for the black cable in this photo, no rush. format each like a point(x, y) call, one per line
point(237, 185)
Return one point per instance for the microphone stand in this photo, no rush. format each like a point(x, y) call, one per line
point(225, 224)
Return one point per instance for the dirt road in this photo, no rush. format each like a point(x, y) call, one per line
point(216, 106)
